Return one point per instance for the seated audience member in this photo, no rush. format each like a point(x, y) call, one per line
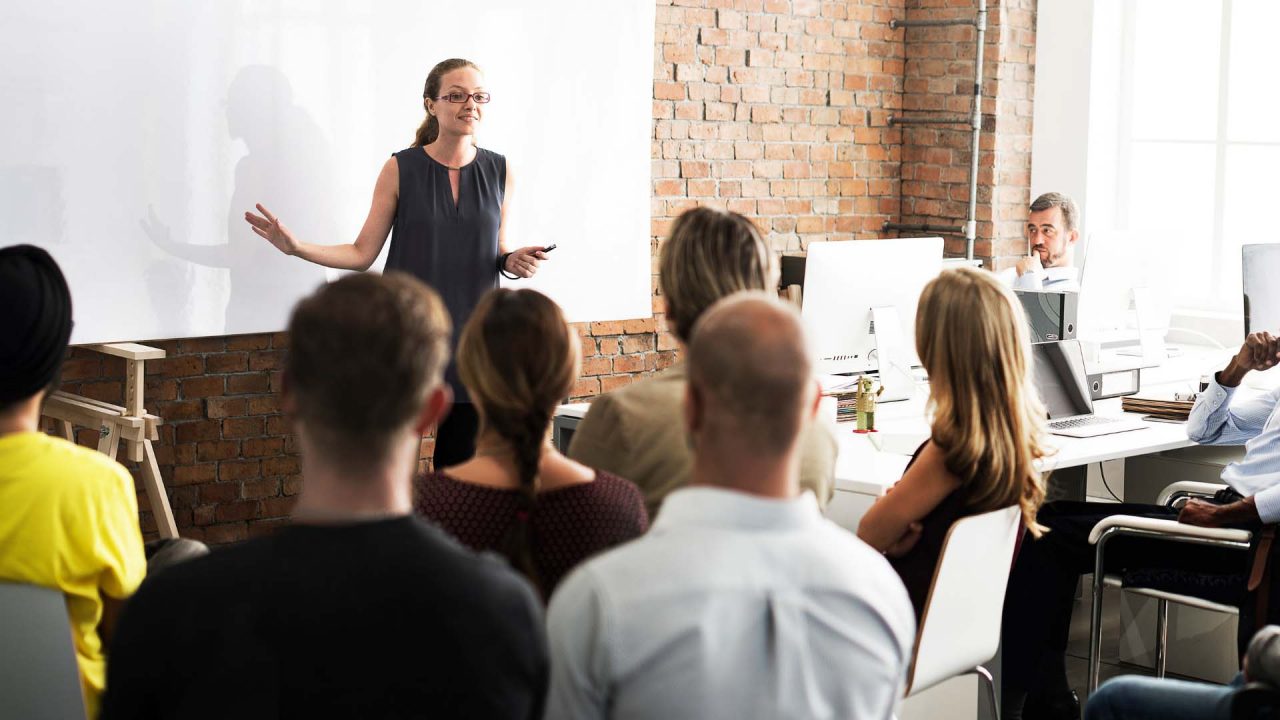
point(635, 431)
point(358, 609)
point(742, 600)
point(1053, 231)
point(1134, 697)
point(988, 425)
point(1042, 588)
point(518, 359)
point(68, 514)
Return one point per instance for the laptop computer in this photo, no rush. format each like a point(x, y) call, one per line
point(1064, 389)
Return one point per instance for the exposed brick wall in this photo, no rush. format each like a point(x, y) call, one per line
point(777, 109)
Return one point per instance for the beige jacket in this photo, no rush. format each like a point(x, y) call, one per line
point(637, 432)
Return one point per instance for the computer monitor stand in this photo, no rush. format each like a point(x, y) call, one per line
point(892, 355)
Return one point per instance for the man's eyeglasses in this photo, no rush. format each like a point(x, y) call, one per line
point(457, 98)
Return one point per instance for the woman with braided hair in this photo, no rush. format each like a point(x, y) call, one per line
point(518, 495)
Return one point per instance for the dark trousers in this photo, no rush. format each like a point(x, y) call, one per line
point(456, 436)
point(1042, 588)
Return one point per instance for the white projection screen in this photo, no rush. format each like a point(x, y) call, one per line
point(135, 135)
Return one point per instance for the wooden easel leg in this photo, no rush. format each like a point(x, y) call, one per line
point(156, 494)
point(67, 431)
point(109, 443)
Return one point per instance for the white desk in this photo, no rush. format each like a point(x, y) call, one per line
point(864, 473)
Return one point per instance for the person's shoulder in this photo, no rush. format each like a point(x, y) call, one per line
point(83, 468)
point(482, 571)
point(490, 156)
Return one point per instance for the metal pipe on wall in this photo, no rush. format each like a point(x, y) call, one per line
point(970, 227)
point(971, 223)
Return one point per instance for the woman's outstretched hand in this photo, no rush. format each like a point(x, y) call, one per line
point(269, 227)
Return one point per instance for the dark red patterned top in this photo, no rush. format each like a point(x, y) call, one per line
point(570, 524)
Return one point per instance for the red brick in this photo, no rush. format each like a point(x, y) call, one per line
point(262, 447)
point(217, 450)
point(248, 342)
point(183, 366)
point(248, 383)
point(223, 534)
point(201, 387)
point(221, 407)
point(189, 474)
point(264, 405)
point(239, 470)
point(232, 512)
point(227, 363)
point(280, 466)
point(268, 360)
point(242, 427)
point(196, 431)
point(222, 492)
point(257, 489)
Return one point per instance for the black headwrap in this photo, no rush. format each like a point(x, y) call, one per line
point(35, 321)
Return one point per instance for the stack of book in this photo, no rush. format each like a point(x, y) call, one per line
point(1161, 408)
point(844, 389)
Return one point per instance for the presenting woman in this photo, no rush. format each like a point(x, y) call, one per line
point(444, 201)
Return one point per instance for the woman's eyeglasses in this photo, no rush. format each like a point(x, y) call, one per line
point(457, 98)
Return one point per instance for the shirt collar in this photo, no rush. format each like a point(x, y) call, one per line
point(704, 506)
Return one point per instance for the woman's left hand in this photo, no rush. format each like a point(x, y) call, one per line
point(523, 262)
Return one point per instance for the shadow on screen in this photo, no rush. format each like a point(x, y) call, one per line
point(288, 168)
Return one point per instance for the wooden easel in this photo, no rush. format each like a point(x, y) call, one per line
point(131, 424)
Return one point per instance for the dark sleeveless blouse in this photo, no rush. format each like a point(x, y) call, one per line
point(451, 247)
point(917, 567)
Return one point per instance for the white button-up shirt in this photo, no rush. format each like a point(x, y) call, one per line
point(1054, 279)
point(732, 606)
point(1252, 422)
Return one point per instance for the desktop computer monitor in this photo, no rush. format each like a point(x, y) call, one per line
point(1261, 281)
point(843, 281)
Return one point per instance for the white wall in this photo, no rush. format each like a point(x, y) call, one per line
point(136, 134)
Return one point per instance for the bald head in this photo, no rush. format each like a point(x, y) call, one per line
point(749, 366)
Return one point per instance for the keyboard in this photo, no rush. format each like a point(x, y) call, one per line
point(1080, 422)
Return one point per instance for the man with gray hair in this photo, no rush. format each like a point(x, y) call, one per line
point(742, 600)
point(1053, 229)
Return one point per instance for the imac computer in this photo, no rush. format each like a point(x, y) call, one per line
point(1260, 272)
point(847, 283)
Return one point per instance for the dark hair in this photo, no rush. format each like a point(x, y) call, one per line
point(429, 130)
point(711, 254)
point(364, 352)
point(519, 358)
point(1070, 215)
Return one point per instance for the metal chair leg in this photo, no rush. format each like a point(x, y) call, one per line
point(1095, 623)
point(1162, 636)
point(985, 676)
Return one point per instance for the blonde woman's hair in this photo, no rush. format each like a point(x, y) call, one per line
point(519, 358)
point(988, 421)
point(711, 254)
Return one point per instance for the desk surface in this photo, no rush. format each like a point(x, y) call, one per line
point(869, 464)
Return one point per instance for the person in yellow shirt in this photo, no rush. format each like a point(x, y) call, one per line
point(68, 514)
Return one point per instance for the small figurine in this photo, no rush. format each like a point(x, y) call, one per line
point(865, 405)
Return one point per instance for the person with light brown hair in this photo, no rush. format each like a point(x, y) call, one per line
point(634, 431)
point(445, 202)
point(988, 426)
point(358, 608)
point(519, 495)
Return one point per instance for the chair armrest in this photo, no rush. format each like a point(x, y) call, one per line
point(1187, 487)
point(1171, 528)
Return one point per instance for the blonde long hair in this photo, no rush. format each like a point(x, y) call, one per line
point(988, 421)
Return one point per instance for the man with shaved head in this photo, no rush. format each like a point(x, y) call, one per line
point(742, 600)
